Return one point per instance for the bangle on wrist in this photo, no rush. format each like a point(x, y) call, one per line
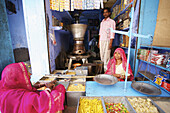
point(48, 89)
point(122, 76)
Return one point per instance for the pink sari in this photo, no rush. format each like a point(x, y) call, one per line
point(111, 67)
point(18, 96)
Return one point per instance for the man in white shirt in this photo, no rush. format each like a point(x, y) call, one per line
point(106, 36)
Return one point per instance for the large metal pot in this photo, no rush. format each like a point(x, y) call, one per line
point(78, 31)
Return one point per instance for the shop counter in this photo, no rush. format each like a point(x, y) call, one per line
point(95, 89)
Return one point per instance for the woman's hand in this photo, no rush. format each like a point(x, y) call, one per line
point(50, 85)
point(117, 75)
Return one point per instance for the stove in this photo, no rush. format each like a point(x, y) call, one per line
point(78, 31)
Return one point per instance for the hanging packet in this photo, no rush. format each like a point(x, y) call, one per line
point(159, 79)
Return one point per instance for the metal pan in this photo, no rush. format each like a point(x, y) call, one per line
point(105, 79)
point(145, 88)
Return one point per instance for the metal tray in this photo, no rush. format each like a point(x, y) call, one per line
point(117, 99)
point(78, 80)
point(45, 79)
point(159, 109)
point(145, 88)
point(73, 96)
point(65, 84)
point(99, 98)
point(105, 79)
point(64, 79)
point(83, 70)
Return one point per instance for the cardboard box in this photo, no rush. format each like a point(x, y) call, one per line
point(162, 35)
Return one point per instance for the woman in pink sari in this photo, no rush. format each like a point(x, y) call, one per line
point(18, 96)
point(117, 66)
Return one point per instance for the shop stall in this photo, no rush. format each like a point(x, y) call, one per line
point(88, 89)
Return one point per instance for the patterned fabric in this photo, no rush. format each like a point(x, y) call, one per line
point(18, 96)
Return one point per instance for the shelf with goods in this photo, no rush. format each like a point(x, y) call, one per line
point(122, 19)
point(153, 82)
point(147, 26)
point(147, 23)
point(123, 11)
point(159, 66)
point(120, 13)
point(64, 16)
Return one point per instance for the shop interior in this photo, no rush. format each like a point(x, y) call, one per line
point(59, 41)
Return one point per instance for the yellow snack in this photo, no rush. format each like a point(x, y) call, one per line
point(76, 87)
point(90, 106)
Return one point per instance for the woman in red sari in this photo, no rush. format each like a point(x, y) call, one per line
point(18, 96)
point(117, 66)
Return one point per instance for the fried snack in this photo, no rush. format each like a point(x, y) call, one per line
point(90, 106)
point(76, 87)
point(142, 105)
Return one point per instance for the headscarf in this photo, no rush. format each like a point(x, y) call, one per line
point(111, 67)
point(18, 96)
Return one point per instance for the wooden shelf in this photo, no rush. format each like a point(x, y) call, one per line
point(155, 83)
point(57, 27)
point(126, 29)
point(117, 3)
point(159, 66)
point(124, 47)
point(148, 75)
point(155, 47)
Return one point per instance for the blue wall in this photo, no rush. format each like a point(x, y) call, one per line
point(17, 26)
point(147, 21)
point(6, 52)
point(63, 38)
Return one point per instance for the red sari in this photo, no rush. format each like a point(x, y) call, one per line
point(111, 66)
point(18, 96)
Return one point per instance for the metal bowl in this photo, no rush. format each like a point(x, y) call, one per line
point(106, 79)
point(145, 88)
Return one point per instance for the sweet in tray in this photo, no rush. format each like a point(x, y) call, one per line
point(116, 108)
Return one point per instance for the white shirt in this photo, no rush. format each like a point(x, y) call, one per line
point(104, 32)
point(120, 70)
